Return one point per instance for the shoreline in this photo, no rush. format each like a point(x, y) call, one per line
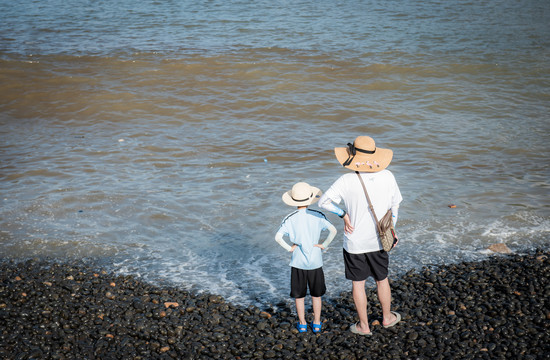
point(495, 308)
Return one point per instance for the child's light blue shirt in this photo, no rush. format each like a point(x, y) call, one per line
point(303, 228)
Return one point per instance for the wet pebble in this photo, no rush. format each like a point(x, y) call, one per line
point(497, 308)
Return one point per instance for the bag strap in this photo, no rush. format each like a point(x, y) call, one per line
point(368, 200)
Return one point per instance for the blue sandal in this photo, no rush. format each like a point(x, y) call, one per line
point(316, 327)
point(301, 328)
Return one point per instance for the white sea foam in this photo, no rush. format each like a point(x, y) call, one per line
point(187, 196)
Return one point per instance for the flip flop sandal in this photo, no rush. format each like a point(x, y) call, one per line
point(301, 328)
point(397, 319)
point(353, 329)
point(316, 327)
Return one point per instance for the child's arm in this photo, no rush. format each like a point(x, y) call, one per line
point(283, 243)
point(330, 237)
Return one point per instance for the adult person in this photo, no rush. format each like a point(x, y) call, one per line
point(363, 252)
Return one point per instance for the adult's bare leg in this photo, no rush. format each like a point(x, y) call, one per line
point(384, 296)
point(360, 300)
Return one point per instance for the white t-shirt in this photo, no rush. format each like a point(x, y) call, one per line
point(384, 195)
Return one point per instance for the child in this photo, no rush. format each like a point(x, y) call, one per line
point(303, 228)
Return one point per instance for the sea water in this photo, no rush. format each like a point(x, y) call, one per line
point(158, 137)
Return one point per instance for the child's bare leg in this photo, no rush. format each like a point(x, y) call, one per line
point(317, 305)
point(301, 310)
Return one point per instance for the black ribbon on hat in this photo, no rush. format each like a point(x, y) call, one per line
point(310, 196)
point(353, 151)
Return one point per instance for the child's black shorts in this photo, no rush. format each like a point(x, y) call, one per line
point(360, 266)
point(301, 279)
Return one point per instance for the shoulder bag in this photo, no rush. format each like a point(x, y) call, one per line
point(385, 227)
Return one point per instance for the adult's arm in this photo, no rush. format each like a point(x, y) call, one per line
point(394, 212)
point(325, 202)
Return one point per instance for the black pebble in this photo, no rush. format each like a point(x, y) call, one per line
point(498, 308)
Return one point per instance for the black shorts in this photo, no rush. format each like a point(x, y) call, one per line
point(301, 279)
point(360, 266)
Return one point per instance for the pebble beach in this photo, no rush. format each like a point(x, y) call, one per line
point(498, 308)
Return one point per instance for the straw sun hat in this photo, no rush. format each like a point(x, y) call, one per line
point(363, 155)
point(302, 194)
